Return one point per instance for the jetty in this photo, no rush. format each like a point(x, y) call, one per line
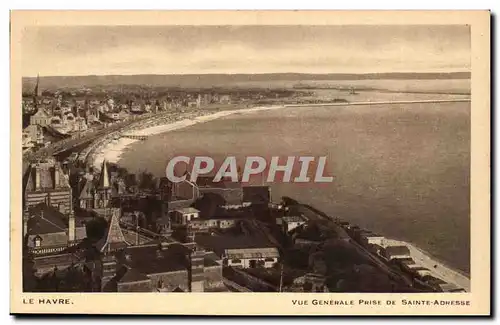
point(134, 136)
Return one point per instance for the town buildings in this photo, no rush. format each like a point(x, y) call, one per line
point(49, 231)
point(163, 266)
point(245, 251)
point(97, 192)
point(41, 118)
point(45, 182)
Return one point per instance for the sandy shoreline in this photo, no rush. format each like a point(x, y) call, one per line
point(442, 271)
point(113, 150)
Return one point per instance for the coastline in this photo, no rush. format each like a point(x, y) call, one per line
point(442, 271)
point(113, 150)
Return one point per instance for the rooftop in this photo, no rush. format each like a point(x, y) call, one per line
point(293, 219)
point(45, 219)
point(187, 210)
point(152, 260)
point(220, 243)
point(133, 275)
point(397, 250)
point(252, 253)
point(48, 179)
point(447, 287)
point(208, 181)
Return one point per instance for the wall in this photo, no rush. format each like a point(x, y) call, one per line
point(142, 286)
point(245, 263)
point(269, 264)
point(289, 226)
point(212, 223)
point(213, 277)
point(53, 198)
point(231, 263)
point(171, 280)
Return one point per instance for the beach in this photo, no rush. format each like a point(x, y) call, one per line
point(347, 134)
point(442, 271)
point(112, 150)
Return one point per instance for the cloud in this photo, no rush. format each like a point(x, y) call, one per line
point(242, 50)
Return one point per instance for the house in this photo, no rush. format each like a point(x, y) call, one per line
point(184, 191)
point(213, 223)
point(291, 222)
point(240, 251)
point(450, 287)
point(184, 216)
point(49, 231)
point(95, 193)
point(230, 193)
point(224, 194)
point(45, 182)
point(155, 267)
point(41, 117)
point(44, 264)
point(35, 132)
point(419, 271)
point(175, 268)
point(314, 282)
point(405, 263)
point(354, 232)
point(114, 239)
point(432, 281)
point(225, 99)
point(392, 252)
point(251, 257)
point(370, 238)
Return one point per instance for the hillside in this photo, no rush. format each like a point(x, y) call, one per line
point(209, 80)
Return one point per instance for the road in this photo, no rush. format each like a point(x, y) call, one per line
point(342, 234)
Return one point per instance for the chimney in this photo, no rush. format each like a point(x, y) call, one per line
point(37, 177)
point(57, 175)
point(26, 217)
point(196, 271)
point(71, 227)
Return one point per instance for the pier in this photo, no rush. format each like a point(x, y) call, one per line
point(391, 102)
point(135, 136)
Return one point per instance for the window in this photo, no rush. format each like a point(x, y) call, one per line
point(236, 261)
point(269, 259)
point(38, 241)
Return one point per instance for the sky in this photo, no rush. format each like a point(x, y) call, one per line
point(126, 50)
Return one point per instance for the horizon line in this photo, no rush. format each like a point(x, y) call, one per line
point(251, 74)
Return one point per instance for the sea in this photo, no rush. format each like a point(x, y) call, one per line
point(400, 170)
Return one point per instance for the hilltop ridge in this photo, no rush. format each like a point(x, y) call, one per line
point(209, 80)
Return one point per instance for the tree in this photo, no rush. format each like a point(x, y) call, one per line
point(146, 181)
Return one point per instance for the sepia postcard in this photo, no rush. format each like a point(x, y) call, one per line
point(250, 162)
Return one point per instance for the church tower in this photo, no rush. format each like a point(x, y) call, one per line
point(36, 91)
point(108, 246)
point(103, 191)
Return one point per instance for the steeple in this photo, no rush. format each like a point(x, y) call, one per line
point(104, 177)
point(35, 92)
point(37, 85)
point(114, 239)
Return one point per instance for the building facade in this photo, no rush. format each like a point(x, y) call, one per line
point(45, 182)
